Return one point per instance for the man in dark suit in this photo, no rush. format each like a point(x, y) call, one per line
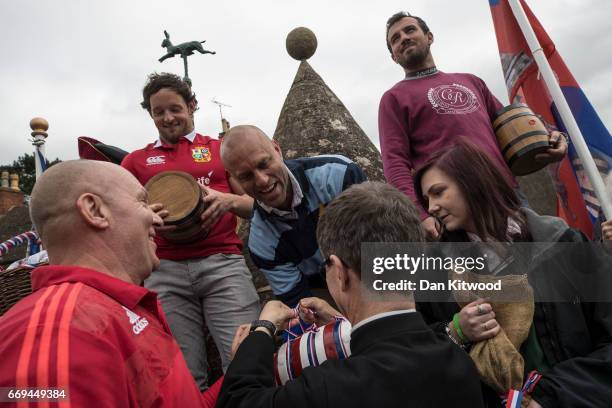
point(396, 361)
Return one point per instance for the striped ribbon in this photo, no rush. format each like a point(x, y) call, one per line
point(298, 329)
point(514, 397)
point(311, 348)
point(20, 239)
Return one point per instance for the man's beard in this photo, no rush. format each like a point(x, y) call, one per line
point(414, 59)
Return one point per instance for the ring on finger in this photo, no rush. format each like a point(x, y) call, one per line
point(480, 310)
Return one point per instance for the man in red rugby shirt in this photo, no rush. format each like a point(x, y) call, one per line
point(205, 280)
point(89, 331)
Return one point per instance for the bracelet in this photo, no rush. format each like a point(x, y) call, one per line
point(449, 333)
point(457, 327)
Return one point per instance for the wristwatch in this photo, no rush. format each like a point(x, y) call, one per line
point(266, 324)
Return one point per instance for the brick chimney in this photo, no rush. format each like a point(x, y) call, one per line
point(10, 195)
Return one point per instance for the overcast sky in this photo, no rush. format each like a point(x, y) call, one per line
point(82, 64)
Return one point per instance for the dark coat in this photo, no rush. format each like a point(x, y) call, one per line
point(396, 361)
point(575, 335)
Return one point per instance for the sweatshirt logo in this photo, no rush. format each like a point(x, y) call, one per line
point(138, 323)
point(452, 99)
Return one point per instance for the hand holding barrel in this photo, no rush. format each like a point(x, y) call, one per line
point(158, 208)
point(217, 204)
point(525, 141)
point(177, 200)
point(557, 151)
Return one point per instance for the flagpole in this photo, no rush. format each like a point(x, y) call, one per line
point(39, 128)
point(564, 110)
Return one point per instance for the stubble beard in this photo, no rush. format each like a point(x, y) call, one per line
point(416, 59)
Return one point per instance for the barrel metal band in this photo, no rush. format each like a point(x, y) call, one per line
point(524, 150)
point(518, 115)
point(525, 136)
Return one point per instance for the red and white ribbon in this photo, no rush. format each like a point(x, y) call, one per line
point(515, 397)
point(312, 348)
point(20, 239)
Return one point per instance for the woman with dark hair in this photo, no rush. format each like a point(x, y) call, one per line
point(568, 342)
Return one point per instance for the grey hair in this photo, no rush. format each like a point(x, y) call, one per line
point(367, 212)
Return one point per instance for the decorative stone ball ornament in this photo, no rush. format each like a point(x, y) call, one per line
point(301, 43)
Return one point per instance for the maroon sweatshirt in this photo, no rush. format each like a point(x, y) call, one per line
point(419, 116)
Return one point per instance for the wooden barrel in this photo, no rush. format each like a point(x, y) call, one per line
point(182, 198)
point(520, 135)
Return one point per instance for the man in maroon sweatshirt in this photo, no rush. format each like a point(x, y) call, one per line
point(429, 110)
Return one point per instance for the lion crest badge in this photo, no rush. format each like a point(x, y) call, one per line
point(201, 154)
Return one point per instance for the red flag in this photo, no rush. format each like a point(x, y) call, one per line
point(576, 202)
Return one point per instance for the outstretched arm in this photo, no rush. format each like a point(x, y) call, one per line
point(218, 203)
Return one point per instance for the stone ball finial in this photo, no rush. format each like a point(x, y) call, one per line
point(301, 43)
point(39, 126)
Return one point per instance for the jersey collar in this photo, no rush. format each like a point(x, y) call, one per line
point(190, 136)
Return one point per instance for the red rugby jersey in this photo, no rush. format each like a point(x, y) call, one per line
point(200, 158)
point(104, 341)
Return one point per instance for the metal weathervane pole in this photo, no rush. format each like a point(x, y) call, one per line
point(564, 110)
point(224, 123)
point(220, 104)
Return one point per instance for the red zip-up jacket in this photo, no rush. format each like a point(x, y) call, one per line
point(103, 341)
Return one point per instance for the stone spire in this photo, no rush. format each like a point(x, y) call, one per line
point(314, 121)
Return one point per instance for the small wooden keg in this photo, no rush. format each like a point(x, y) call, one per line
point(520, 135)
point(182, 198)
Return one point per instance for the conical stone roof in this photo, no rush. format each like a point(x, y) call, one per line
point(314, 121)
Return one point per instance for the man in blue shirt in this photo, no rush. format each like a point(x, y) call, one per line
point(289, 197)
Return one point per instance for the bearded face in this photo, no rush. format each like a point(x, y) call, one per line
point(413, 56)
point(410, 46)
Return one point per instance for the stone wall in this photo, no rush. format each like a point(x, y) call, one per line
point(9, 198)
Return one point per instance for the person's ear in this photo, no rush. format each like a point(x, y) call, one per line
point(93, 211)
point(430, 38)
point(191, 107)
point(342, 273)
point(277, 148)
